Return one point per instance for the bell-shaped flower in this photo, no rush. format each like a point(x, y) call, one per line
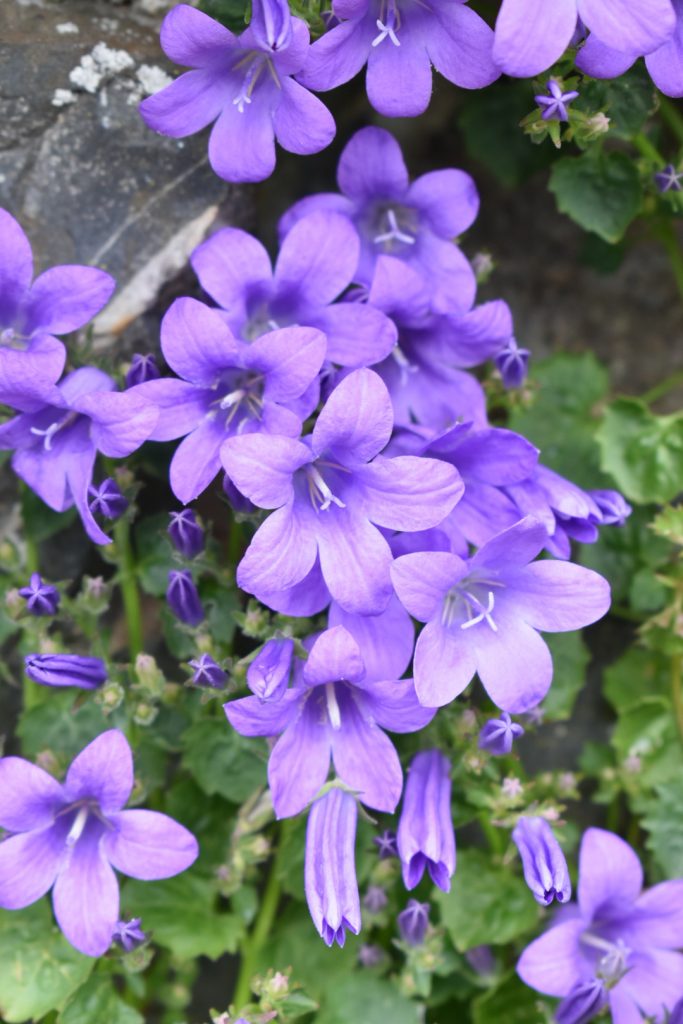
point(545, 867)
point(331, 491)
point(60, 300)
point(245, 84)
point(69, 836)
point(56, 444)
point(183, 597)
point(80, 670)
point(316, 264)
point(225, 387)
point(413, 922)
point(337, 711)
point(330, 869)
point(425, 838)
point(484, 615)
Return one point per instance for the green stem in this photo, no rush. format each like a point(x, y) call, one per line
point(674, 380)
point(129, 586)
point(32, 557)
point(494, 837)
point(672, 117)
point(666, 234)
point(677, 692)
point(254, 942)
point(648, 150)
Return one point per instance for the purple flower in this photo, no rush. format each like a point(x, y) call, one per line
point(68, 837)
point(583, 1003)
point(400, 40)
point(207, 672)
point(268, 673)
point(481, 960)
point(567, 512)
point(331, 493)
point(316, 264)
point(186, 534)
point(41, 598)
point(227, 388)
point(57, 443)
point(336, 709)
point(371, 956)
point(107, 500)
point(531, 34)
point(129, 934)
point(375, 899)
point(142, 368)
point(512, 362)
point(65, 670)
point(555, 105)
point(677, 1013)
point(183, 598)
point(425, 831)
point(59, 301)
point(415, 223)
point(618, 934)
point(669, 179)
point(614, 509)
point(330, 871)
point(545, 867)
point(498, 734)
point(386, 844)
point(413, 921)
point(483, 615)
point(245, 84)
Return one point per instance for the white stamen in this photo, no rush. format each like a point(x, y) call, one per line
point(332, 706)
point(239, 101)
point(394, 234)
point(47, 434)
point(76, 830)
point(386, 30)
point(233, 398)
point(319, 489)
point(485, 613)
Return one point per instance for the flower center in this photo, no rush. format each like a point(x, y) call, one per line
point(406, 368)
point(252, 64)
point(474, 601)
point(319, 491)
point(242, 399)
point(396, 229)
point(333, 710)
point(388, 23)
point(9, 338)
point(613, 962)
point(47, 433)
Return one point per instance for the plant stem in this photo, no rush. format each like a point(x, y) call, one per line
point(664, 230)
point(677, 691)
point(664, 386)
point(32, 559)
point(260, 932)
point(648, 149)
point(129, 586)
point(672, 116)
point(494, 838)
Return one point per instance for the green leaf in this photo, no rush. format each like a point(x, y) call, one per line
point(627, 100)
point(99, 1001)
point(222, 761)
point(664, 822)
point(669, 524)
point(570, 658)
point(181, 914)
point(636, 675)
point(643, 452)
point(232, 13)
point(512, 1002)
point(39, 970)
point(599, 191)
point(155, 554)
point(40, 522)
point(621, 552)
point(486, 904)
point(63, 723)
point(296, 944)
point(362, 997)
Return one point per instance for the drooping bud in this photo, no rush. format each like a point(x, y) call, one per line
point(106, 499)
point(66, 670)
point(183, 597)
point(544, 864)
point(143, 367)
point(498, 734)
point(425, 832)
point(207, 672)
point(271, 24)
point(512, 362)
point(186, 534)
point(129, 934)
point(583, 1003)
point(330, 870)
point(413, 921)
point(268, 674)
point(41, 598)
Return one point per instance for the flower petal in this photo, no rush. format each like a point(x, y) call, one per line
point(26, 377)
point(16, 267)
point(196, 342)
point(302, 122)
point(29, 796)
point(300, 761)
point(289, 359)
point(657, 918)
point(180, 406)
point(444, 663)
point(355, 423)
point(149, 845)
point(317, 260)
point(399, 78)
point(28, 867)
point(191, 38)
point(610, 875)
point(121, 421)
point(423, 579)
point(460, 46)
point(281, 552)
point(653, 981)
point(385, 640)
point(553, 963)
point(448, 200)
point(666, 63)
point(66, 298)
point(409, 492)
point(187, 105)
point(559, 596)
point(103, 771)
point(335, 655)
point(85, 896)
point(514, 548)
point(355, 560)
point(357, 335)
point(251, 716)
point(242, 146)
point(513, 663)
point(372, 166)
point(337, 56)
point(394, 705)
point(633, 28)
point(365, 758)
point(197, 460)
point(532, 34)
point(231, 266)
point(262, 467)
point(601, 61)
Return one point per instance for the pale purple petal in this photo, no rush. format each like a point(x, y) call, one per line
point(633, 28)
point(299, 762)
point(121, 421)
point(26, 377)
point(610, 875)
point(309, 597)
point(654, 981)
point(262, 467)
point(242, 146)
point(231, 266)
point(302, 123)
point(187, 105)
point(45, 476)
point(193, 39)
point(335, 655)
point(553, 964)
point(599, 60)
point(196, 342)
point(103, 771)
point(317, 260)
point(271, 24)
point(514, 548)
point(16, 267)
point(85, 897)
point(399, 78)
point(372, 166)
point(65, 298)
point(355, 560)
point(444, 663)
point(513, 663)
point(409, 492)
point(197, 460)
point(79, 466)
point(364, 758)
point(79, 383)
point(559, 596)
point(289, 359)
point(337, 56)
point(281, 552)
point(399, 290)
point(423, 579)
point(386, 640)
point(356, 421)
point(180, 406)
point(450, 275)
point(357, 335)
point(394, 705)
point(666, 63)
point(460, 46)
point(532, 34)
point(28, 867)
point(622, 1007)
point(149, 845)
point(657, 918)
point(330, 874)
point(29, 796)
point(448, 200)
point(495, 456)
point(251, 716)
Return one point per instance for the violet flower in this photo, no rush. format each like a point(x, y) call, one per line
point(512, 362)
point(142, 367)
point(331, 493)
point(330, 871)
point(316, 264)
point(415, 223)
point(207, 672)
point(375, 899)
point(41, 598)
point(386, 844)
point(59, 301)
point(618, 934)
point(669, 179)
point(584, 1002)
point(227, 388)
point(106, 499)
point(68, 836)
point(183, 598)
point(413, 922)
point(268, 673)
point(57, 443)
point(79, 670)
point(554, 106)
point(614, 509)
point(186, 535)
point(530, 35)
point(400, 40)
point(545, 868)
point(245, 84)
point(335, 710)
point(129, 934)
point(425, 831)
point(483, 615)
point(497, 735)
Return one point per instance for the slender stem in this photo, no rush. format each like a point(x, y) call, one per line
point(672, 116)
point(129, 587)
point(674, 380)
point(494, 838)
point(32, 557)
point(648, 150)
point(677, 691)
point(667, 236)
point(254, 942)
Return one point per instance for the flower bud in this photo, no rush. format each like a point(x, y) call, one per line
point(65, 670)
point(583, 1003)
point(413, 921)
point(386, 844)
point(186, 534)
point(111, 697)
point(143, 367)
point(41, 598)
point(614, 509)
point(271, 24)
point(544, 864)
point(330, 870)
point(268, 674)
point(498, 734)
point(207, 672)
point(106, 499)
point(148, 674)
point(425, 832)
point(371, 956)
point(129, 934)
point(512, 362)
point(375, 899)
point(183, 597)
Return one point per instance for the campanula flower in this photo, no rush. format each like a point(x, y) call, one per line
point(186, 535)
point(413, 922)
point(268, 673)
point(142, 367)
point(545, 868)
point(207, 672)
point(183, 598)
point(69, 836)
point(554, 106)
point(614, 509)
point(425, 831)
point(41, 598)
point(330, 871)
point(498, 735)
point(79, 670)
point(245, 85)
point(583, 1003)
point(106, 499)
point(618, 934)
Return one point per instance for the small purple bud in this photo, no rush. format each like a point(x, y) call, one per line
point(371, 956)
point(425, 832)
point(330, 870)
point(669, 179)
point(183, 597)
point(413, 921)
point(186, 534)
point(386, 844)
point(107, 500)
point(498, 734)
point(207, 672)
point(268, 674)
point(583, 1003)
point(677, 1013)
point(614, 509)
point(142, 368)
point(375, 899)
point(65, 670)
point(271, 24)
point(554, 106)
point(41, 598)
point(544, 864)
point(481, 960)
point(129, 934)
point(512, 362)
